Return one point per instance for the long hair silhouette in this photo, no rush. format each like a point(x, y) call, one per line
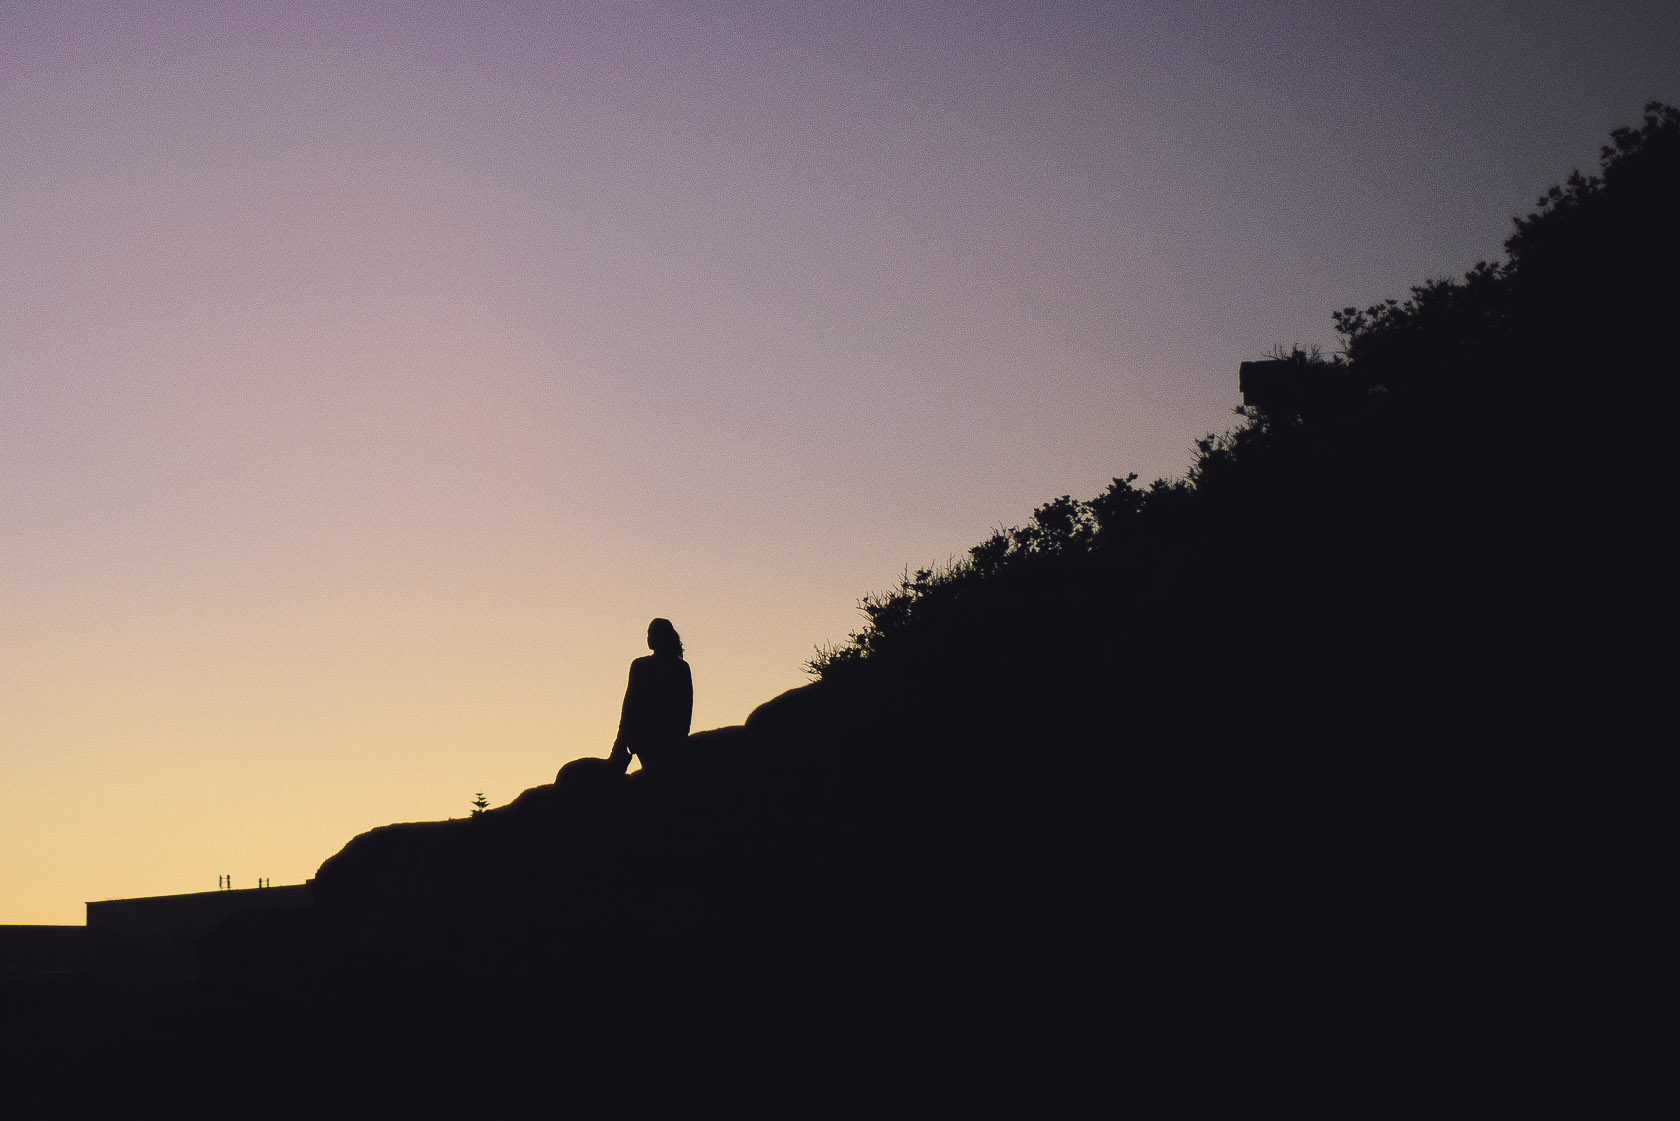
point(662, 639)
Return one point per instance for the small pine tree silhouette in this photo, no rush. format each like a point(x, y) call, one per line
point(479, 804)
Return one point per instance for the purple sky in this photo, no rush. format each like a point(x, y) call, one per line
point(371, 373)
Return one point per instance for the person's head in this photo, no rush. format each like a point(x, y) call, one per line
point(662, 638)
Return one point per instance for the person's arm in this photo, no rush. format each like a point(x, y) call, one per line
point(687, 699)
point(629, 713)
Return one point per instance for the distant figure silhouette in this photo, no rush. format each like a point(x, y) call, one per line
point(658, 703)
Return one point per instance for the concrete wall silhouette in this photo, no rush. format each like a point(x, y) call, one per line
point(156, 938)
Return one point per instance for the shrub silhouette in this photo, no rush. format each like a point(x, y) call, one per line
point(1452, 454)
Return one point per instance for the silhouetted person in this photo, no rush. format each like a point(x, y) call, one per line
point(659, 702)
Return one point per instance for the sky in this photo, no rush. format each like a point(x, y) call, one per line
point(371, 373)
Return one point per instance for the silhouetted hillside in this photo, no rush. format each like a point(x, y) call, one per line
point(1325, 782)
point(1488, 455)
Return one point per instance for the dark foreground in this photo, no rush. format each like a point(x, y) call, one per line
point(849, 909)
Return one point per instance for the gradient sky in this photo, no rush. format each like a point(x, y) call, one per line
point(370, 374)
